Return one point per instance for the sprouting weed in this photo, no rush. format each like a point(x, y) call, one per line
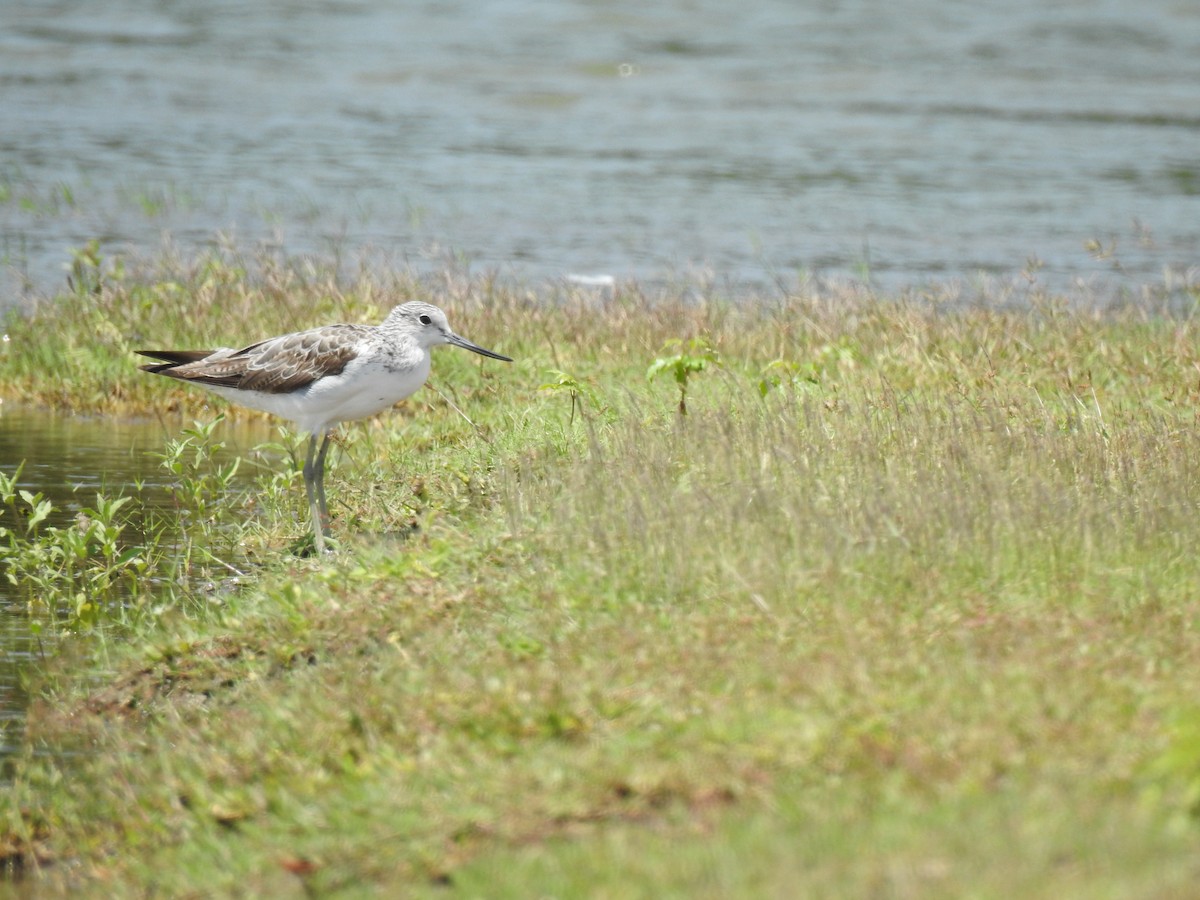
point(201, 482)
point(203, 489)
point(685, 361)
point(822, 363)
point(86, 275)
point(577, 390)
point(89, 567)
point(71, 570)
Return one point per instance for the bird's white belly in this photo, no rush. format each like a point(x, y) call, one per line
point(362, 389)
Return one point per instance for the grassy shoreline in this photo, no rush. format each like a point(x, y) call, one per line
point(906, 603)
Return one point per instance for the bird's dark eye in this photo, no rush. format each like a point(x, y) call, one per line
point(425, 320)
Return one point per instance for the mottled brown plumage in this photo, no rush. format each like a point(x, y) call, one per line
point(275, 366)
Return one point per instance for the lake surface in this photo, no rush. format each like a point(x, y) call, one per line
point(919, 141)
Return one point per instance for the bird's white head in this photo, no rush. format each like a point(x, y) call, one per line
point(427, 325)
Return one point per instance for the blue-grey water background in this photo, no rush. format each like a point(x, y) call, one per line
point(745, 143)
point(742, 144)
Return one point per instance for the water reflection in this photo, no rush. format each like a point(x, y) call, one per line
point(70, 460)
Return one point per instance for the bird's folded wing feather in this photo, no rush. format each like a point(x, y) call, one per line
point(275, 366)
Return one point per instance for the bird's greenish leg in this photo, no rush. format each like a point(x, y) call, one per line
point(322, 506)
point(311, 487)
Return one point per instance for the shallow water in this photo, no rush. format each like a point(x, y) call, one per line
point(916, 142)
point(70, 460)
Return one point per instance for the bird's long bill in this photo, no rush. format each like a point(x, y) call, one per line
point(475, 348)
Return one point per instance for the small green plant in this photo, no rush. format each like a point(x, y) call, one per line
point(577, 390)
point(70, 570)
point(781, 373)
point(682, 361)
point(86, 275)
point(87, 567)
point(205, 494)
point(822, 362)
point(201, 483)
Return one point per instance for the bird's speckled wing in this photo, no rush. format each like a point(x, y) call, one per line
point(275, 366)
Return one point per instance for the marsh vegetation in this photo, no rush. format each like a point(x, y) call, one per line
point(906, 603)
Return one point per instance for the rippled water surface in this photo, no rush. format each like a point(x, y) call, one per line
point(920, 141)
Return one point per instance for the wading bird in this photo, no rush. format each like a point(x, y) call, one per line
point(323, 376)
